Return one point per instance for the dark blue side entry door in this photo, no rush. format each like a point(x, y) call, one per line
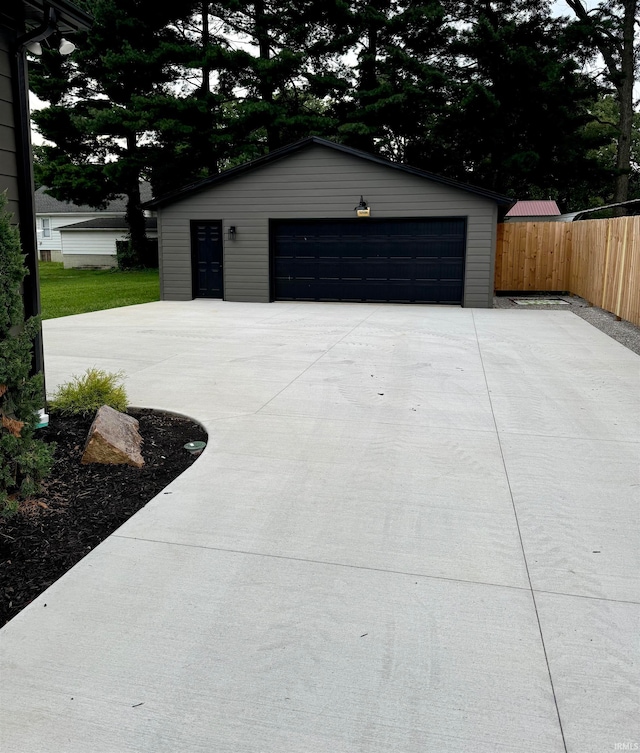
point(400, 261)
point(206, 254)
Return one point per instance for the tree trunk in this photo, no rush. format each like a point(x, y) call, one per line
point(205, 88)
point(135, 214)
point(265, 85)
point(367, 84)
point(624, 93)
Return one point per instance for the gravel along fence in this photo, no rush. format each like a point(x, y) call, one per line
point(623, 332)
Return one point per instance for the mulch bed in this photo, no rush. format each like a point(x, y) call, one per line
point(81, 505)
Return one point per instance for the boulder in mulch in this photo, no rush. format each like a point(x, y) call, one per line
point(113, 439)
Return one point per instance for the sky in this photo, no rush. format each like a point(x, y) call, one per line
point(560, 8)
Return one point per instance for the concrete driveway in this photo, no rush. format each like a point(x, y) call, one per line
point(413, 529)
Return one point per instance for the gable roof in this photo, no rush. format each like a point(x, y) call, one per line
point(108, 223)
point(534, 209)
point(47, 204)
point(285, 151)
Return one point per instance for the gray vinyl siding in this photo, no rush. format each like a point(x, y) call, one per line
point(8, 162)
point(315, 183)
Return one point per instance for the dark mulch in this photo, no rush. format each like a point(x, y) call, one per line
point(81, 505)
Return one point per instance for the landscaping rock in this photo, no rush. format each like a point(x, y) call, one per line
point(113, 440)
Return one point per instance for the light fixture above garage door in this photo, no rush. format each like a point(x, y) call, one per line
point(362, 210)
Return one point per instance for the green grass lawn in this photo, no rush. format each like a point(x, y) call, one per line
point(76, 291)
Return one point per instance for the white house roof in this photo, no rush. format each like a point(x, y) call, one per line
point(47, 204)
point(107, 223)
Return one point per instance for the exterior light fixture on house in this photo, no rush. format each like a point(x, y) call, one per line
point(31, 41)
point(362, 210)
point(231, 233)
point(66, 47)
point(35, 48)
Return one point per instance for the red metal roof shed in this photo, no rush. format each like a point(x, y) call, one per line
point(534, 209)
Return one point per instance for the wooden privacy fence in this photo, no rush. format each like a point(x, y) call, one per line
point(599, 260)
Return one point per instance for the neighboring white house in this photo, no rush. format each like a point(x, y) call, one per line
point(92, 242)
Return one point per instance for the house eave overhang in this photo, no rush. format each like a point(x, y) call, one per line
point(44, 213)
point(72, 229)
point(71, 15)
point(67, 16)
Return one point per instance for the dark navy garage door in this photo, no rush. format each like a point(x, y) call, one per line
point(402, 261)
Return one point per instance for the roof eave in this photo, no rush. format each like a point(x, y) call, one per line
point(65, 214)
point(68, 16)
point(76, 17)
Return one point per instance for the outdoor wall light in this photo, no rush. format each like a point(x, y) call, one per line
point(31, 41)
point(362, 210)
point(66, 47)
point(35, 48)
point(231, 233)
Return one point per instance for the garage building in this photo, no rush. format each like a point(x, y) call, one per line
point(318, 221)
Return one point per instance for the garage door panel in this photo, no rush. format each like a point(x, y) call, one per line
point(389, 260)
point(300, 267)
point(400, 269)
point(439, 269)
point(350, 269)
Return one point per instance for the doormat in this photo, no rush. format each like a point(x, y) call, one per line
point(540, 302)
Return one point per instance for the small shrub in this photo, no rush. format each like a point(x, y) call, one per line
point(9, 506)
point(144, 258)
point(24, 459)
point(83, 395)
point(125, 256)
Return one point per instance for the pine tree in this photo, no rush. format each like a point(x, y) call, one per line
point(519, 106)
point(486, 92)
point(281, 59)
point(192, 139)
point(24, 460)
point(103, 114)
point(398, 81)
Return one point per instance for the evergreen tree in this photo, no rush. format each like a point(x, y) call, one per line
point(518, 106)
point(24, 460)
point(101, 119)
point(192, 139)
point(398, 83)
point(487, 92)
point(281, 60)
